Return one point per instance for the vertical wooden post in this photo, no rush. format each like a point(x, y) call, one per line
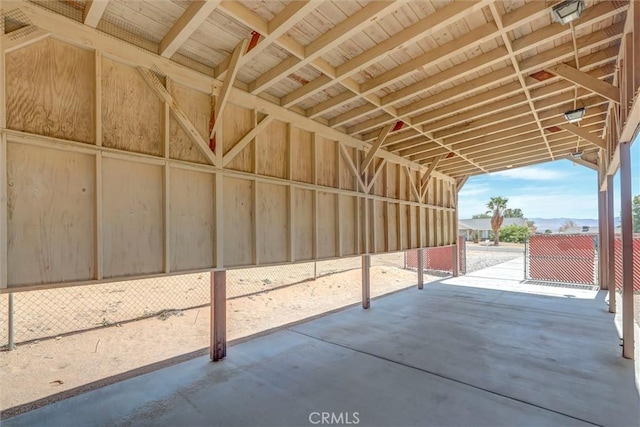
point(3, 211)
point(420, 254)
point(627, 251)
point(602, 231)
point(366, 281)
point(611, 259)
point(456, 239)
point(218, 347)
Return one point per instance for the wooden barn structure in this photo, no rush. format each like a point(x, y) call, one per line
point(146, 138)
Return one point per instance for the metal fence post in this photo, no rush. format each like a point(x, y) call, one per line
point(526, 257)
point(12, 339)
point(420, 260)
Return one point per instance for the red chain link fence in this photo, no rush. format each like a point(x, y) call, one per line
point(636, 261)
point(562, 258)
point(439, 259)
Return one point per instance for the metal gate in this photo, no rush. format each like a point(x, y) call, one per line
point(562, 258)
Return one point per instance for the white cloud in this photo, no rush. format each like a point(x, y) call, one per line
point(530, 174)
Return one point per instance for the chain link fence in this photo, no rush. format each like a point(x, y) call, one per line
point(50, 313)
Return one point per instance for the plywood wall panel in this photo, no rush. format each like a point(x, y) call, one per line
point(303, 223)
point(348, 225)
point(326, 162)
point(413, 226)
point(326, 225)
point(271, 211)
point(301, 148)
point(392, 220)
point(237, 123)
point(392, 180)
point(197, 106)
point(50, 90)
point(51, 200)
point(403, 211)
point(131, 111)
point(347, 180)
point(272, 152)
point(379, 185)
point(238, 211)
point(133, 218)
point(380, 227)
point(191, 217)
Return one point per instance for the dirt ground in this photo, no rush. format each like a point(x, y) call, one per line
point(47, 367)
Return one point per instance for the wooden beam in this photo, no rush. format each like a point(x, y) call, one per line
point(586, 81)
point(179, 114)
point(245, 140)
point(424, 182)
point(93, 11)
point(585, 163)
point(276, 28)
point(584, 134)
point(627, 252)
point(327, 41)
point(225, 90)
point(195, 14)
point(22, 38)
point(376, 174)
point(68, 30)
point(460, 182)
point(412, 184)
point(375, 147)
point(352, 167)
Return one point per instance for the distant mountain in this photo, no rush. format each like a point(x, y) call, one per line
point(554, 224)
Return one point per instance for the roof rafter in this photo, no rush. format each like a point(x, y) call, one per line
point(330, 39)
point(276, 28)
point(93, 11)
point(586, 81)
point(551, 56)
point(195, 14)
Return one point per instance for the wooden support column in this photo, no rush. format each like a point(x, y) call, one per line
point(456, 248)
point(602, 233)
point(3, 211)
point(420, 254)
point(218, 327)
point(627, 251)
point(366, 281)
point(611, 261)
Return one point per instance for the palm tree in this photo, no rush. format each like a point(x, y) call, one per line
point(497, 205)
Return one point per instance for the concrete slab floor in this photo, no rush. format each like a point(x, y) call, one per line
point(443, 356)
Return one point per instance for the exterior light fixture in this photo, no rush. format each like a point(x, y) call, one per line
point(574, 115)
point(567, 11)
point(577, 155)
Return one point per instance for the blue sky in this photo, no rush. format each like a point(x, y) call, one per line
point(559, 189)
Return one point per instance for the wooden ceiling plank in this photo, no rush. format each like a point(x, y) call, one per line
point(93, 11)
point(195, 14)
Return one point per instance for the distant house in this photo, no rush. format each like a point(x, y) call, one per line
point(483, 226)
point(581, 230)
point(586, 230)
